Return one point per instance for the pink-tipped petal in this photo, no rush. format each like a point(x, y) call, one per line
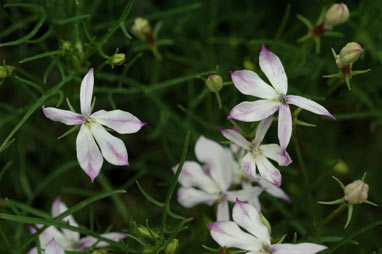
point(192, 175)
point(89, 241)
point(63, 116)
point(274, 152)
point(236, 138)
point(58, 208)
point(222, 213)
point(267, 170)
point(227, 233)
point(262, 129)
point(273, 190)
point(113, 149)
point(215, 158)
point(309, 105)
point(301, 248)
point(272, 67)
point(121, 121)
point(284, 126)
point(189, 197)
point(53, 248)
point(249, 83)
point(86, 92)
point(88, 154)
point(251, 111)
point(248, 217)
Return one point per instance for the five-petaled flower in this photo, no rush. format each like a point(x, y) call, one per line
point(272, 99)
point(113, 149)
point(211, 183)
point(257, 154)
point(55, 241)
point(258, 239)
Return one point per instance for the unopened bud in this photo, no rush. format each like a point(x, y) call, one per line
point(6, 71)
point(117, 59)
point(337, 14)
point(141, 27)
point(356, 192)
point(349, 54)
point(171, 247)
point(146, 233)
point(66, 45)
point(214, 83)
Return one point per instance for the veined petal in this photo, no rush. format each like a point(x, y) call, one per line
point(113, 149)
point(58, 208)
point(63, 116)
point(223, 211)
point(274, 152)
point(248, 163)
point(86, 92)
point(284, 126)
point(267, 170)
point(309, 105)
point(121, 121)
point(236, 138)
point(273, 189)
point(272, 67)
point(249, 83)
point(262, 129)
point(248, 217)
point(227, 233)
point(252, 111)
point(244, 194)
point(192, 175)
point(88, 241)
point(215, 157)
point(189, 197)
point(53, 248)
point(88, 154)
point(301, 248)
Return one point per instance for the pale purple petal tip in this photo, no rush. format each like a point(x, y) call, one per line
point(91, 69)
point(143, 124)
point(230, 117)
point(211, 226)
point(231, 72)
point(234, 128)
point(277, 182)
point(331, 116)
point(263, 48)
point(31, 229)
point(220, 129)
point(238, 202)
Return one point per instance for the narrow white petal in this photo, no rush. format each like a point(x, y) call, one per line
point(53, 248)
point(309, 105)
point(248, 217)
point(53, 233)
point(86, 92)
point(58, 208)
point(244, 194)
point(88, 154)
point(284, 126)
point(223, 211)
point(248, 163)
point(227, 233)
point(262, 129)
point(236, 138)
point(121, 121)
point(252, 111)
point(192, 175)
point(267, 170)
point(189, 197)
point(274, 152)
point(249, 83)
point(273, 189)
point(88, 241)
point(272, 67)
point(215, 157)
point(113, 149)
point(63, 116)
point(301, 248)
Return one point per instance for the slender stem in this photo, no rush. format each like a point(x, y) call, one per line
point(300, 158)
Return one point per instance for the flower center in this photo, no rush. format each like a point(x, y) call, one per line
point(255, 151)
point(283, 98)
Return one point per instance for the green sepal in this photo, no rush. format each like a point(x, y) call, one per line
point(339, 182)
point(350, 213)
point(334, 202)
point(71, 130)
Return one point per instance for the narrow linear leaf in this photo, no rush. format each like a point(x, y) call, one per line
point(42, 55)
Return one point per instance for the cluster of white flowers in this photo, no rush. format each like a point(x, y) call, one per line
point(227, 174)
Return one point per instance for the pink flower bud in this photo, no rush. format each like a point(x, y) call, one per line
point(356, 192)
point(337, 14)
point(349, 54)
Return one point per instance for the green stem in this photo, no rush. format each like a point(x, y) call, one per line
point(300, 159)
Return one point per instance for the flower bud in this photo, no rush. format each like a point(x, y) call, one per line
point(171, 247)
point(356, 192)
point(117, 59)
point(6, 71)
point(337, 14)
point(66, 45)
point(141, 27)
point(348, 54)
point(214, 83)
point(146, 233)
